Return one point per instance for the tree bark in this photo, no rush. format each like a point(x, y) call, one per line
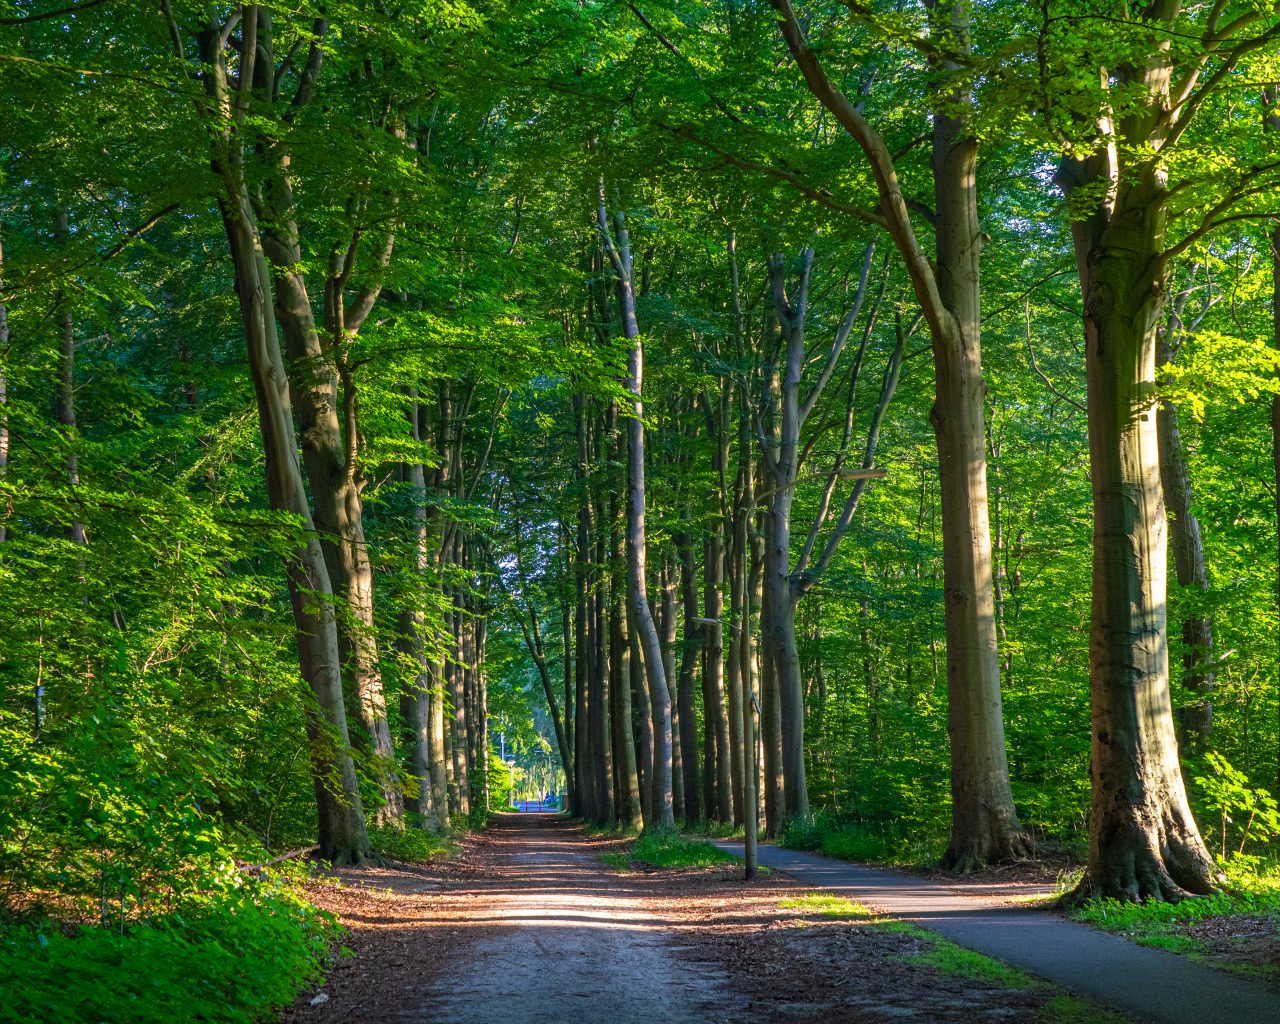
point(342, 835)
point(984, 824)
point(1143, 841)
point(685, 686)
point(619, 249)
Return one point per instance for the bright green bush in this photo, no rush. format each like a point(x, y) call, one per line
point(669, 850)
point(412, 845)
point(231, 956)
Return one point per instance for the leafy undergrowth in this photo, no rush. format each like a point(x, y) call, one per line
point(845, 840)
point(948, 958)
point(1238, 930)
point(231, 957)
point(668, 850)
point(412, 845)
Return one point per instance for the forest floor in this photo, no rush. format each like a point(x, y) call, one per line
point(527, 925)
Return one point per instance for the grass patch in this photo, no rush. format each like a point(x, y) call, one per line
point(827, 905)
point(668, 850)
point(411, 845)
point(844, 840)
point(1074, 1010)
point(1167, 925)
point(946, 957)
point(232, 957)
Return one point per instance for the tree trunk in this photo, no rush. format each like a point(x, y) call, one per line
point(65, 398)
point(684, 689)
point(342, 835)
point(425, 698)
point(1187, 547)
point(622, 670)
point(637, 575)
point(1143, 841)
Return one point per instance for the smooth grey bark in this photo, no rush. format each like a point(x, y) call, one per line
point(325, 400)
point(630, 801)
point(342, 834)
point(618, 246)
point(1143, 840)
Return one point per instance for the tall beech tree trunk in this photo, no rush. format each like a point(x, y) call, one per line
point(342, 835)
point(984, 824)
point(622, 672)
point(667, 627)
point(327, 412)
point(1143, 841)
point(584, 779)
point(618, 246)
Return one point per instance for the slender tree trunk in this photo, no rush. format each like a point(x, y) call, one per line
point(667, 630)
point(646, 630)
point(622, 672)
point(685, 688)
point(65, 398)
point(583, 773)
point(4, 398)
point(425, 710)
point(1187, 547)
point(733, 673)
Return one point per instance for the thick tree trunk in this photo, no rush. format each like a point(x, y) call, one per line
point(1143, 841)
point(984, 825)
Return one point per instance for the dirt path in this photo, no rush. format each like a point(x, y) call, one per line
point(1150, 984)
point(527, 926)
point(556, 937)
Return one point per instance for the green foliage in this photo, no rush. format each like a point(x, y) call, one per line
point(878, 843)
point(827, 905)
point(1251, 813)
point(1167, 925)
point(230, 956)
point(668, 850)
point(411, 845)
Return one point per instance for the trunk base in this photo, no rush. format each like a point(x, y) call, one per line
point(1004, 844)
point(1165, 865)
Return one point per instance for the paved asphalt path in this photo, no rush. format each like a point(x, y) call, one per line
point(1147, 983)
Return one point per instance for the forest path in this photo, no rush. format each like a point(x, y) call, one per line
point(553, 936)
point(1144, 982)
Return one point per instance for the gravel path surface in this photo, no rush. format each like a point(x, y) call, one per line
point(1146, 983)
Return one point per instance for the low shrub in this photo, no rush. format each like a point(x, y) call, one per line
point(411, 845)
point(227, 958)
point(669, 850)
